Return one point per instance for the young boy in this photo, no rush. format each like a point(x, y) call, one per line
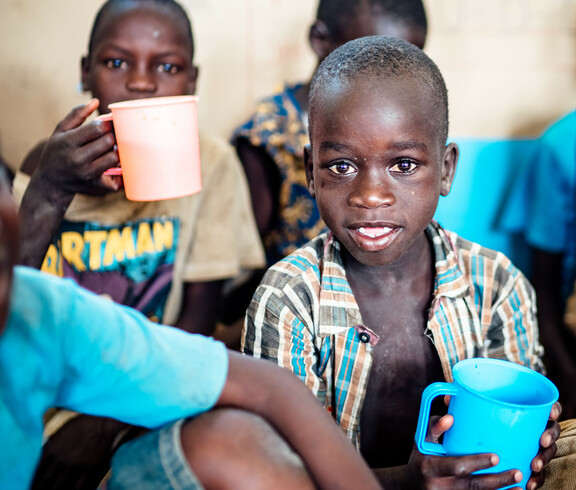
point(168, 259)
point(61, 345)
point(386, 302)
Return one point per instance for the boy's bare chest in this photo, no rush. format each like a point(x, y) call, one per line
point(404, 362)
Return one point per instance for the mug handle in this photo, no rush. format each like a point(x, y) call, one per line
point(431, 392)
point(113, 170)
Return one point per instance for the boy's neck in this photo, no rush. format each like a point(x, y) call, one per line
point(416, 266)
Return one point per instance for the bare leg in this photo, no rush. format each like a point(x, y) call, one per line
point(229, 448)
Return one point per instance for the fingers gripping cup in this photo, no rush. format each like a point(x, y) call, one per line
point(498, 407)
point(157, 141)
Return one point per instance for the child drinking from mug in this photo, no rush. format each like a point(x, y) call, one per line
point(168, 259)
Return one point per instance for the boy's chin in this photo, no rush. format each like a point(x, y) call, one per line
point(378, 258)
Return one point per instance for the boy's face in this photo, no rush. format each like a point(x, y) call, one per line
point(377, 166)
point(138, 53)
point(8, 246)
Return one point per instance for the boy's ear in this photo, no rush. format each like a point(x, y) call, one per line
point(192, 79)
point(320, 39)
point(309, 166)
point(85, 73)
point(449, 162)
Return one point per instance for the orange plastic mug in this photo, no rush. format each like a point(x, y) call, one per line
point(158, 146)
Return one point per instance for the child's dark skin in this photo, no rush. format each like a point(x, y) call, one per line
point(377, 167)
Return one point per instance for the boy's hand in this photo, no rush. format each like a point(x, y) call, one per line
point(455, 473)
point(77, 154)
point(547, 448)
point(71, 161)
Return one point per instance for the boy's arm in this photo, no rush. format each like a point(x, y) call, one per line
point(279, 397)
point(263, 180)
point(200, 306)
point(556, 338)
point(72, 161)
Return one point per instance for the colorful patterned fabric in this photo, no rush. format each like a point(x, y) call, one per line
point(279, 126)
point(304, 317)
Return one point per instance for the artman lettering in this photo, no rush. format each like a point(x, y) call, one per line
point(131, 262)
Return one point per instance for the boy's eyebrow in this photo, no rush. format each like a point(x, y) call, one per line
point(127, 52)
point(397, 145)
point(409, 145)
point(114, 47)
point(333, 145)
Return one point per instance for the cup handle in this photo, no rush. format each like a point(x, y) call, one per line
point(113, 170)
point(431, 392)
point(104, 117)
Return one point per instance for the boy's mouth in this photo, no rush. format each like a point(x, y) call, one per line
point(374, 238)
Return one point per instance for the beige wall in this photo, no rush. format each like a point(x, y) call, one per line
point(510, 65)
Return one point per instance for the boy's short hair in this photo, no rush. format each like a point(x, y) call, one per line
point(170, 5)
point(335, 13)
point(382, 57)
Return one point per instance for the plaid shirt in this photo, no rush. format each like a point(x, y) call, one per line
point(304, 317)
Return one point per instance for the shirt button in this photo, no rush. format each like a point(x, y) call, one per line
point(364, 337)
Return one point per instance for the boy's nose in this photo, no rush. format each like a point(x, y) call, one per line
point(372, 193)
point(141, 81)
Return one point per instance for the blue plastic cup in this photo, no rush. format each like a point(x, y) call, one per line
point(498, 407)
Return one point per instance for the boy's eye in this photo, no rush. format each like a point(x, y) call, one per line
point(404, 166)
point(342, 168)
point(116, 63)
point(168, 68)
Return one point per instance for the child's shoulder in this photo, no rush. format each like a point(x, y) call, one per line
point(562, 128)
point(219, 162)
point(478, 262)
point(306, 260)
point(467, 247)
point(295, 282)
point(214, 149)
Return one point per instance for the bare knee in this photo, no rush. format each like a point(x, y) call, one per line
point(229, 448)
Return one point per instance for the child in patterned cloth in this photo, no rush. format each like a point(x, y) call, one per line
point(386, 301)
